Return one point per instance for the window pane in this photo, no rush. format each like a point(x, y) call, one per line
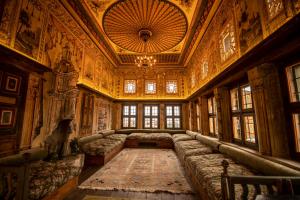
point(154, 123)
point(126, 110)
point(154, 110)
point(216, 126)
point(176, 122)
point(237, 134)
point(132, 122)
point(132, 110)
point(211, 125)
point(249, 128)
point(234, 94)
point(293, 74)
point(169, 123)
point(147, 123)
point(296, 120)
point(210, 105)
point(125, 122)
point(176, 110)
point(246, 97)
point(147, 110)
point(169, 111)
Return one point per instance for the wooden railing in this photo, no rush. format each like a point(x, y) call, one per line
point(273, 185)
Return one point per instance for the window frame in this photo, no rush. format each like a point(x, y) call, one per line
point(173, 116)
point(241, 113)
point(177, 88)
point(293, 107)
point(124, 88)
point(213, 116)
point(146, 88)
point(151, 117)
point(129, 116)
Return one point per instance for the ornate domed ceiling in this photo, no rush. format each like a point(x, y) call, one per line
point(170, 26)
point(128, 23)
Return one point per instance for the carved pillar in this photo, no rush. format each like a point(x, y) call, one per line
point(223, 114)
point(204, 115)
point(269, 110)
point(190, 117)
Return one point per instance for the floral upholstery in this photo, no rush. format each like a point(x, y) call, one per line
point(100, 146)
point(192, 134)
point(121, 137)
point(207, 169)
point(46, 177)
point(150, 136)
point(181, 137)
point(191, 147)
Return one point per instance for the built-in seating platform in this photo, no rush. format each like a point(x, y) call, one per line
point(159, 140)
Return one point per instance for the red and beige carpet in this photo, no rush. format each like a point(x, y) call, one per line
point(141, 170)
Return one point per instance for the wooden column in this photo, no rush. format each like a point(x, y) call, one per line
point(204, 115)
point(162, 116)
point(223, 114)
point(140, 116)
point(269, 111)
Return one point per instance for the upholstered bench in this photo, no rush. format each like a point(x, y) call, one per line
point(27, 176)
point(159, 140)
point(205, 173)
point(52, 180)
point(121, 137)
point(100, 151)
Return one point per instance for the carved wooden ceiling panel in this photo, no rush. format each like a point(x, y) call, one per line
point(172, 24)
point(163, 22)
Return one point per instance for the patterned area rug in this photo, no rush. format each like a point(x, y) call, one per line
point(88, 197)
point(141, 170)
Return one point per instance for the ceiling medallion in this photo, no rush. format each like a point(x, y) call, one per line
point(132, 23)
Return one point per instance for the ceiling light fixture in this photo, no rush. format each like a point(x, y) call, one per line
point(145, 60)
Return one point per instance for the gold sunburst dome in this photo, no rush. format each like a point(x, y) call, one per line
point(124, 20)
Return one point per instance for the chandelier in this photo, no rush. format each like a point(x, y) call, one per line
point(145, 60)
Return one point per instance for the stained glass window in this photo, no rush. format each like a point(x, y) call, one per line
point(130, 86)
point(274, 7)
point(173, 116)
point(150, 87)
point(129, 116)
point(171, 87)
point(227, 42)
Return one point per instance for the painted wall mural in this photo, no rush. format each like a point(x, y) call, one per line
point(237, 31)
point(29, 27)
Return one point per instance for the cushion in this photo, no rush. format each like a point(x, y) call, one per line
point(121, 137)
point(212, 142)
point(46, 177)
point(192, 134)
point(257, 162)
point(149, 136)
point(83, 140)
point(181, 137)
point(100, 146)
point(107, 132)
